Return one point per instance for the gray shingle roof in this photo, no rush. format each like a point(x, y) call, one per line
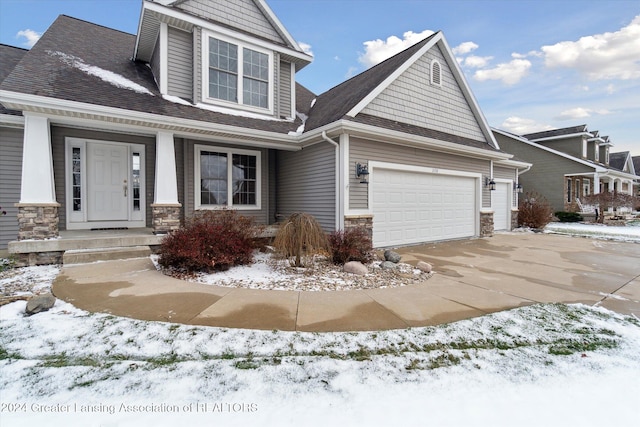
point(617, 160)
point(9, 58)
point(636, 164)
point(556, 132)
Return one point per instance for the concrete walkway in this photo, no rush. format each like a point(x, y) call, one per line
point(472, 278)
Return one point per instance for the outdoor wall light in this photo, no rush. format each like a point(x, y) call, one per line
point(489, 182)
point(517, 187)
point(362, 172)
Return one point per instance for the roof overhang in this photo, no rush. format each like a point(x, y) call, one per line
point(400, 138)
point(78, 113)
point(153, 14)
point(570, 135)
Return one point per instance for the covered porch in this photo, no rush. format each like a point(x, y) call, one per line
point(577, 187)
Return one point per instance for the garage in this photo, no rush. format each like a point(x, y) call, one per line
point(414, 207)
point(501, 206)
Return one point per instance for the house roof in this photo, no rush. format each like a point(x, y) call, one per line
point(79, 61)
point(85, 63)
point(618, 160)
point(556, 132)
point(9, 58)
point(636, 163)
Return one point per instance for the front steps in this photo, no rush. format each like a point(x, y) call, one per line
point(85, 256)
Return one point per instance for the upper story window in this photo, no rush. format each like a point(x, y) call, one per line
point(436, 73)
point(606, 154)
point(237, 75)
point(597, 153)
point(584, 148)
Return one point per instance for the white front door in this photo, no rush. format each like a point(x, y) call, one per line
point(108, 175)
point(500, 201)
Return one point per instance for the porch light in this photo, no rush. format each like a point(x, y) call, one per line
point(489, 182)
point(517, 187)
point(362, 172)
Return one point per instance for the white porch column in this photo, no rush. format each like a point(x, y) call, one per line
point(596, 183)
point(37, 162)
point(630, 187)
point(166, 207)
point(166, 191)
point(612, 184)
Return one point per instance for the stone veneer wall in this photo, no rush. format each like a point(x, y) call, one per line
point(486, 224)
point(514, 219)
point(359, 221)
point(38, 221)
point(166, 218)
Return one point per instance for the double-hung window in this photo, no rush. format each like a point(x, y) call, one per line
point(227, 178)
point(237, 74)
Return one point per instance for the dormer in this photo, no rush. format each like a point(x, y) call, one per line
point(605, 149)
point(595, 153)
point(233, 57)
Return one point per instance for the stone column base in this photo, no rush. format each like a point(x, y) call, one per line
point(38, 221)
point(166, 218)
point(486, 224)
point(514, 219)
point(359, 221)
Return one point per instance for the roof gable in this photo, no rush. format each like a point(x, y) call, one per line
point(622, 161)
point(353, 97)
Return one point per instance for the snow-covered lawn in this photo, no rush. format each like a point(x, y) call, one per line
point(547, 364)
point(599, 231)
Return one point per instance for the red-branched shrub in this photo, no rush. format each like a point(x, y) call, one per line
point(353, 244)
point(534, 211)
point(210, 241)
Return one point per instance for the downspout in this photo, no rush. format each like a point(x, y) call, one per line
point(337, 169)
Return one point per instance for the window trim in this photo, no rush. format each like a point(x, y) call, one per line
point(198, 149)
point(206, 36)
point(438, 83)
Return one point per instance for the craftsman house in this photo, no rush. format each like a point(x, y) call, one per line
point(201, 110)
point(568, 164)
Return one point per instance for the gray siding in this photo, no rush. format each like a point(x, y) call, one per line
point(58, 135)
point(504, 173)
point(546, 176)
point(571, 146)
point(261, 216)
point(362, 151)
point(241, 14)
point(284, 89)
point(180, 63)
point(10, 179)
point(307, 183)
point(412, 99)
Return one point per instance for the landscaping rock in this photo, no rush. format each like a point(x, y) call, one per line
point(425, 267)
point(356, 267)
point(388, 265)
point(392, 256)
point(40, 303)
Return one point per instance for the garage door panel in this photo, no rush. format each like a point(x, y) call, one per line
point(412, 207)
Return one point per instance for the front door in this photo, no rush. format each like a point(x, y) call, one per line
point(108, 174)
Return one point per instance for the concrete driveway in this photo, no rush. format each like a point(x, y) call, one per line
point(472, 278)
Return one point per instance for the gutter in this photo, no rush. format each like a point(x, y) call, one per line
point(338, 168)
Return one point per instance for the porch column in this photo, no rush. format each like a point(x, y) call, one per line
point(612, 184)
point(38, 208)
point(630, 187)
point(596, 183)
point(166, 207)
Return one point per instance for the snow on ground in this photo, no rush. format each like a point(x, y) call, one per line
point(546, 364)
point(618, 233)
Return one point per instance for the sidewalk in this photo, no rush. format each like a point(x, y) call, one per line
point(472, 278)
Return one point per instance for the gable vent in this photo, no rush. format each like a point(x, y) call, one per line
point(436, 75)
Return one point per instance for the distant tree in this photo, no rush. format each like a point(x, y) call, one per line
point(615, 200)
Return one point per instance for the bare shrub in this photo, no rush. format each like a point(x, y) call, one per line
point(353, 244)
point(534, 211)
point(300, 236)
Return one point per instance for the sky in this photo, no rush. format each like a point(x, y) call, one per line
point(532, 65)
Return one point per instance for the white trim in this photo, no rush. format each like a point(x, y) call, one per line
point(293, 90)
point(79, 220)
point(208, 25)
point(279, 27)
point(166, 183)
point(345, 155)
point(241, 46)
point(198, 148)
point(11, 120)
point(164, 58)
point(108, 116)
point(571, 135)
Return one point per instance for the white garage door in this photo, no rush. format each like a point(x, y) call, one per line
point(501, 208)
point(412, 207)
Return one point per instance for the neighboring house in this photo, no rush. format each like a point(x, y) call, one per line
point(201, 110)
point(568, 164)
point(636, 167)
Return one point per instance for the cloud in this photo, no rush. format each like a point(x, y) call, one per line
point(604, 56)
point(378, 50)
point(464, 48)
point(306, 48)
point(509, 73)
point(31, 37)
point(611, 89)
point(580, 113)
point(521, 126)
point(474, 61)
